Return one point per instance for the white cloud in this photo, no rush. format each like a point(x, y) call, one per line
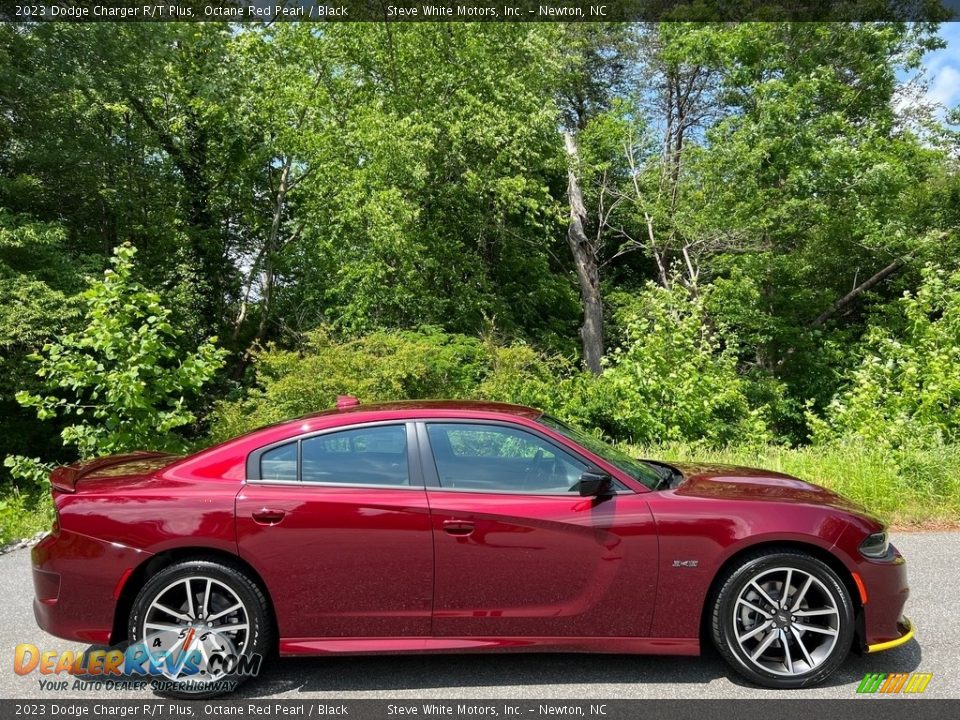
point(938, 59)
point(940, 73)
point(945, 87)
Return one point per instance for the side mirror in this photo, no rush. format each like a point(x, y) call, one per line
point(594, 483)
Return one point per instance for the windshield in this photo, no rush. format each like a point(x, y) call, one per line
point(639, 471)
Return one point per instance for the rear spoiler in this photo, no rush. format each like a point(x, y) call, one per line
point(65, 477)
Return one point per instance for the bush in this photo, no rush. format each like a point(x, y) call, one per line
point(389, 365)
point(380, 366)
point(669, 380)
point(23, 515)
point(905, 391)
point(674, 377)
point(122, 382)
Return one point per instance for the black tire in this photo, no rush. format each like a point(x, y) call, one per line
point(728, 603)
point(260, 638)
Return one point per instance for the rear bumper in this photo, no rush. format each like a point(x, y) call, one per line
point(907, 633)
point(77, 581)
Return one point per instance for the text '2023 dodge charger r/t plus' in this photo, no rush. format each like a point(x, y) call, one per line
point(456, 526)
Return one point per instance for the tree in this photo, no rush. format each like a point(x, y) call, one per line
point(514, 181)
point(123, 381)
point(123, 132)
point(674, 376)
point(431, 199)
point(39, 277)
point(597, 64)
point(807, 187)
point(905, 387)
point(585, 261)
point(680, 99)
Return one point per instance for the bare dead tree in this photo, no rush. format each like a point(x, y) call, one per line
point(585, 262)
point(682, 100)
point(847, 299)
point(263, 264)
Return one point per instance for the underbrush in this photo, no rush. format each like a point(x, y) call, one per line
point(24, 514)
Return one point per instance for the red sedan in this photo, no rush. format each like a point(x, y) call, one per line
point(457, 527)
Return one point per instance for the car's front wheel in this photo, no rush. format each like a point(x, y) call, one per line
point(202, 625)
point(783, 619)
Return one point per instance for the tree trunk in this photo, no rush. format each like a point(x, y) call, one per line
point(852, 295)
point(587, 267)
point(190, 155)
point(272, 246)
point(252, 275)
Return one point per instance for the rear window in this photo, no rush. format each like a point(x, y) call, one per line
point(360, 456)
point(366, 456)
point(280, 463)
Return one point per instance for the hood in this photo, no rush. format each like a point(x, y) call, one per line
point(742, 483)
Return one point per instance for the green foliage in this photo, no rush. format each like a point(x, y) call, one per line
point(426, 197)
point(361, 224)
point(522, 375)
point(670, 380)
point(674, 376)
point(137, 137)
point(905, 390)
point(388, 365)
point(814, 183)
point(38, 279)
point(379, 366)
point(122, 382)
point(23, 515)
point(31, 472)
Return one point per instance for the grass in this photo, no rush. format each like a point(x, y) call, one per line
point(23, 515)
point(903, 487)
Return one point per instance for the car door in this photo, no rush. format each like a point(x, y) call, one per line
point(337, 524)
point(518, 551)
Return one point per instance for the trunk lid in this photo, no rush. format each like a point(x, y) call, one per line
point(66, 477)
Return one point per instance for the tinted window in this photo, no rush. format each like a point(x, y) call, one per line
point(636, 469)
point(365, 456)
point(280, 463)
point(495, 458)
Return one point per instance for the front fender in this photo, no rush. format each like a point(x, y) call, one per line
point(699, 536)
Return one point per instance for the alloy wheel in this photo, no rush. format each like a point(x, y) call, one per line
point(786, 621)
point(197, 612)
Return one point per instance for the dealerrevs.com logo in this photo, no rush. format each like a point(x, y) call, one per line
point(892, 683)
point(195, 660)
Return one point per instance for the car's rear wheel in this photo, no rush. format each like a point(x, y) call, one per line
point(203, 623)
point(783, 619)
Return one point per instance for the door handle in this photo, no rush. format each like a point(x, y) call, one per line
point(458, 527)
point(266, 516)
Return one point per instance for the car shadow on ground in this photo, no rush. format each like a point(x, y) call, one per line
point(391, 673)
point(382, 674)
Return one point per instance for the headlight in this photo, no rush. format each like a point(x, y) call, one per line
point(875, 546)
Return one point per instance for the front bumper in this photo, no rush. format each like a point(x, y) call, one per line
point(886, 589)
point(906, 626)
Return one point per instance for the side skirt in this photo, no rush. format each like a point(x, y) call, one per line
point(403, 645)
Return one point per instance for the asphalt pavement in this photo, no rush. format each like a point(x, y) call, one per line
point(934, 573)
